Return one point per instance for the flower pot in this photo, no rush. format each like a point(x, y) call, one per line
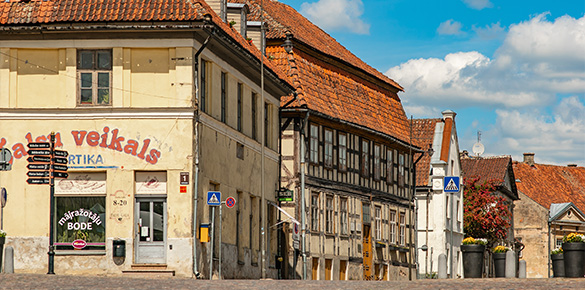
point(574, 258)
point(499, 264)
point(2, 240)
point(558, 265)
point(472, 260)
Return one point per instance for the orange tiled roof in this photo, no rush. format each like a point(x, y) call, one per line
point(329, 90)
point(423, 131)
point(281, 18)
point(548, 184)
point(30, 12)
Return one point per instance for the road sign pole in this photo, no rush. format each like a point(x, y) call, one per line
point(211, 244)
point(219, 249)
point(52, 213)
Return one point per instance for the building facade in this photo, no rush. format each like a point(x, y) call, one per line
point(155, 108)
point(439, 213)
point(346, 157)
point(550, 207)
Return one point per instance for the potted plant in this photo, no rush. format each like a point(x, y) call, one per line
point(499, 256)
point(558, 262)
point(473, 252)
point(574, 255)
point(2, 240)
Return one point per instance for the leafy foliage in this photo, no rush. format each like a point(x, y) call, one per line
point(486, 215)
point(573, 238)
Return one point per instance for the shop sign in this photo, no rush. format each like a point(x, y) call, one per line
point(79, 244)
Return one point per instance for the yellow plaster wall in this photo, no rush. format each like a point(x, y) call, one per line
point(38, 81)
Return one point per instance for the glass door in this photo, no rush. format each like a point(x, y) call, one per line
point(151, 230)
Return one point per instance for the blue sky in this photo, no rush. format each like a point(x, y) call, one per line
point(514, 70)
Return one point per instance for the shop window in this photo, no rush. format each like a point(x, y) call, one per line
point(94, 72)
point(80, 216)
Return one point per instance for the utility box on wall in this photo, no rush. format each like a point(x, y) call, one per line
point(204, 233)
point(119, 248)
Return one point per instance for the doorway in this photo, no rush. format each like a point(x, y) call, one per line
point(150, 231)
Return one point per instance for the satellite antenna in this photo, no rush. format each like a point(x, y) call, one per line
point(478, 148)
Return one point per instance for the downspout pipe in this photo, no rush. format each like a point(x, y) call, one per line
point(196, 157)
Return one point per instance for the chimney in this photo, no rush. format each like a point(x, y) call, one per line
point(529, 158)
point(572, 165)
point(237, 14)
point(464, 154)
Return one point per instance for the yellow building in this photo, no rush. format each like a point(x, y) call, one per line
point(155, 107)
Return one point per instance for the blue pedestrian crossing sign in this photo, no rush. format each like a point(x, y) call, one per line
point(214, 198)
point(451, 184)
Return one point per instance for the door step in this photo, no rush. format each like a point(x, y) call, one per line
point(149, 270)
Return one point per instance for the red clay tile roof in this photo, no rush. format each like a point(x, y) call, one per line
point(338, 94)
point(423, 131)
point(490, 168)
point(52, 11)
point(92, 11)
point(281, 18)
point(548, 184)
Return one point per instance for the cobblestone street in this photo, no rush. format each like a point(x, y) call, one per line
point(31, 281)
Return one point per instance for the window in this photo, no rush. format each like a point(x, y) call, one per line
point(342, 151)
point(402, 229)
point(378, 226)
point(81, 212)
point(376, 162)
point(94, 72)
point(393, 226)
point(239, 227)
point(204, 90)
point(401, 173)
point(267, 127)
point(366, 213)
point(329, 215)
point(315, 212)
point(254, 116)
point(365, 165)
point(240, 150)
point(240, 91)
point(389, 166)
point(223, 97)
point(328, 148)
point(314, 144)
point(559, 243)
point(343, 216)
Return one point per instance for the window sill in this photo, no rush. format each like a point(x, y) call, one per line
point(80, 253)
point(332, 235)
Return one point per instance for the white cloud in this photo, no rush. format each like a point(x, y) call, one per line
point(537, 60)
point(489, 32)
point(450, 27)
point(337, 15)
point(557, 138)
point(478, 4)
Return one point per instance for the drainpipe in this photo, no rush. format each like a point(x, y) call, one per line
point(303, 210)
point(548, 244)
point(196, 157)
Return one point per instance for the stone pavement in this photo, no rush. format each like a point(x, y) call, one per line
point(35, 281)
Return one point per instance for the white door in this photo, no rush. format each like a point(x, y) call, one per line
point(150, 231)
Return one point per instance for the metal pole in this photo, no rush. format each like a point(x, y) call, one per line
point(212, 241)
point(452, 227)
point(52, 211)
point(219, 246)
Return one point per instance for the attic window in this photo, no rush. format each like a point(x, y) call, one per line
point(569, 214)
